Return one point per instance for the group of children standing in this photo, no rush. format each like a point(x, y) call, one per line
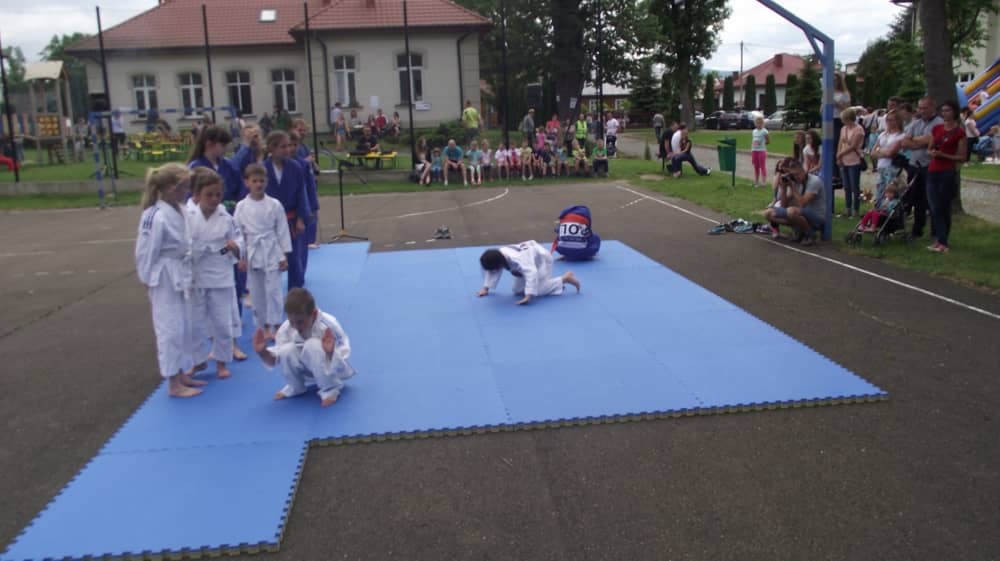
point(213, 228)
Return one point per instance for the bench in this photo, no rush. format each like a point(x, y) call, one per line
point(380, 159)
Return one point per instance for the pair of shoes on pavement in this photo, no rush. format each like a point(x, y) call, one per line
point(442, 233)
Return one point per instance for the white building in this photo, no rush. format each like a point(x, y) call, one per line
point(157, 60)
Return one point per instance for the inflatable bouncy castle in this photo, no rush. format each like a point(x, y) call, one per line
point(982, 96)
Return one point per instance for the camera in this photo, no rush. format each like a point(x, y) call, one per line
point(787, 178)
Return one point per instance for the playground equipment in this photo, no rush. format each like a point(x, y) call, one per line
point(982, 95)
point(48, 130)
point(97, 120)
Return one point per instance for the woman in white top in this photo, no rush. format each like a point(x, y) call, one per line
point(886, 147)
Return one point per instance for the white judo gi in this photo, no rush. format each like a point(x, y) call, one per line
point(214, 311)
point(265, 229)
point(163, 264)
point(531, 265)
point(303, 361)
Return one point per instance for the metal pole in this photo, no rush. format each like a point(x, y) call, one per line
point(312, 91)
point(10, 117)
point(600, 70)
point(208, 62)
point(506, 91)
point(409, 86)
point(743, 84)
point(107, 94)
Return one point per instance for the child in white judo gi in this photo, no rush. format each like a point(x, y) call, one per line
point(531, 265)
point(267, 240)
point(216, 245)
point(311, 348)
point(163, 264)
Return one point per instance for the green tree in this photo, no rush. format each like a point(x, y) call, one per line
point(770, 95)
point(645, 94)
point(13, 60)
point(75, 69)
point(727, 94)
point(708, 102)
point(536, 30)
point(668, 97)
point(688, 33)
point(851, 81)
point(750, 93)
point(805, 99)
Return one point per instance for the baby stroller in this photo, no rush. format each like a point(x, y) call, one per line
point(894, 221)
point(611, 145)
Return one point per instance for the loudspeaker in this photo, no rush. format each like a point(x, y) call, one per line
point(99, 102)
point(533, 93)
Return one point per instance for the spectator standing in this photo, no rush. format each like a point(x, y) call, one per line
point(81, 133)
point(760, 138)
point(886, 147)
point(971, 132)
point(849, 156)
point(335, 113)
point(528, 126)
point(658, 127)
point(569, 132)
point(266, 124)
point(811, 161)
point(917, 137)
point(552, 131)
point(580, 131)
point(946, 150)
point(612, 135)
point(472, 121)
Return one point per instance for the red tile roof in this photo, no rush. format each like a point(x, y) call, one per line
point(781, 65)
point(178, 23)
point(388, 14)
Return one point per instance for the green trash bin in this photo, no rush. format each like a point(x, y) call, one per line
point(727, 154)
point(727, 157)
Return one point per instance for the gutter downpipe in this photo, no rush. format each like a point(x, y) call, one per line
point(461, 84)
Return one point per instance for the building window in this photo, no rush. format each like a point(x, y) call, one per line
point(192, 94)
point(284, 89)
point(238, 83)
point(619, 104)
point(144, 87)
point(592, 105)
point(417, 83)
point(343, 72)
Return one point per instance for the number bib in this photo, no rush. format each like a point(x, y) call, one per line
point(573, 235)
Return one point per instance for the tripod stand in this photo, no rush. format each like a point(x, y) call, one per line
point(341, 164)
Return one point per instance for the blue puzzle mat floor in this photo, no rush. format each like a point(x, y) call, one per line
point(217, 474)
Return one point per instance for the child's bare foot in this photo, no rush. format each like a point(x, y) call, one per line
point(177, 388)
point(570, 278)
point(187, 380)
point(328, 401)
point(238, 353)
point(223, 371)
point(279, 396)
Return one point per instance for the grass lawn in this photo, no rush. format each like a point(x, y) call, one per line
point(975, 258)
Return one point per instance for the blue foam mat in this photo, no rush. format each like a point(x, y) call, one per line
point(209, 499)
point(640, 339)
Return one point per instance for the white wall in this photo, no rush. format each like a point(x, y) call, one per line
point(376, 76)
point(167, 67)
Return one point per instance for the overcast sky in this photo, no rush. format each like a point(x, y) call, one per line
point(30, 25)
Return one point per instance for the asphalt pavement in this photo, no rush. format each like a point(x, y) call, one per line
point(911, 478)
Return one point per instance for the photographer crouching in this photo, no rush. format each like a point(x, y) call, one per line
point(802, 204)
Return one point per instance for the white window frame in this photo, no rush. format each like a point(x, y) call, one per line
point(592, 106)
point(345, 78)
point(150, 97)
point(192, 89)
point(416, 75)
point(619, 104)
point(286, 85)
point(246, 106)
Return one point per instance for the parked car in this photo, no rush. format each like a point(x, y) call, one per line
point(779, 121)
point(699, 118)
point(728, 120)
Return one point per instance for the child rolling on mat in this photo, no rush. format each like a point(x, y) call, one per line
point(267, 240)
point(311, 348)
point(531, 265)
point(162, 262)
point(216, 246)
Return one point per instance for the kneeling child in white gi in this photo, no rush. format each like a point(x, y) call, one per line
point(311, 348)
point(531, 265)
